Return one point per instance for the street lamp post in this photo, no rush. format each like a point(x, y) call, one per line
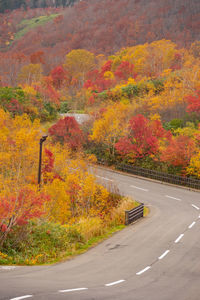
point(40, 158)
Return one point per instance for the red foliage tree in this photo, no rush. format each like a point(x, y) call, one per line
point(37, 57)
point(67, 131)
point(176, 65)
point(48, 171)
point(194, 102)
point(142, 139)
point(106, 67)
point(17, 209)
point(47, 90)
point(97, 82)
point(58, 75)
point(15, 107)
point(125, 70)
point(179, 151)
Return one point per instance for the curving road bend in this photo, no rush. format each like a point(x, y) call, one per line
point(157, 258)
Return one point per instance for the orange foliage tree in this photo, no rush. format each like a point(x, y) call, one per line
point(179, 151)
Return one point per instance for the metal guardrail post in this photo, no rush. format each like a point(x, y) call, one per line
point(126, 217)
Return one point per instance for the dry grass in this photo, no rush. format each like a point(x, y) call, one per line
point(91, 227)
point(118, 213)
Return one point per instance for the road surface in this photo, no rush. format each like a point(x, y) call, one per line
point(157, 258)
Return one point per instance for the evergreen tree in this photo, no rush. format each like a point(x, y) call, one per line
point(44, 3)
point(64, 3)
point(35, 3)
point(3, 5)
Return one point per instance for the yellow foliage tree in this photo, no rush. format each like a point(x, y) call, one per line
point(18, 150)
point(111, 125)
point(150, 59)
point(76, 194)
point(194, 166)
point(78, 63)
point(30, 74)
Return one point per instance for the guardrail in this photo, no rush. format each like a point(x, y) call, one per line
point(134, 214)
point(174, 179)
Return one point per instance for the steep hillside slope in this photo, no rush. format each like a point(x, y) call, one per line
point(102, 27)
point(107, 25)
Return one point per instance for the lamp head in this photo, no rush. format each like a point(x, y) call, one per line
point(43, 138)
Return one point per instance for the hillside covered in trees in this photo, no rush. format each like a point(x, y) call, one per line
point(143, 100)
point(102, 27)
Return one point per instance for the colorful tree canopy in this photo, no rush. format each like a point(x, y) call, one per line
point(67, 131)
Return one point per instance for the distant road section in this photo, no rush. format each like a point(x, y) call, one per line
point(80, 118)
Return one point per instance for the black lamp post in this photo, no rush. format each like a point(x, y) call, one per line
point(40, 158)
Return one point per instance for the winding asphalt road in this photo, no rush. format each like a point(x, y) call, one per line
point(157, 258)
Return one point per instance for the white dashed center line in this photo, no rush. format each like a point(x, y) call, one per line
point(22, 297)
point(179, 238)
point(170, 197)
point(164, 254)
point(195, 206)
point(72, 290)
point(115, 282)
point(7, 268)
point(105, 178)
point(144, 270)
point(191, 225)
point(139, 188)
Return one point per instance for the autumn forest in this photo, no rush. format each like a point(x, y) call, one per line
point(134, 68)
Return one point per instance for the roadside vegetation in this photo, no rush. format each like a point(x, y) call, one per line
point(46, 242)
point(70, 211)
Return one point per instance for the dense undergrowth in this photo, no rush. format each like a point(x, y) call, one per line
point(43, 242)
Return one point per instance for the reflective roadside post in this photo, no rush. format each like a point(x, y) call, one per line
point(40, 158)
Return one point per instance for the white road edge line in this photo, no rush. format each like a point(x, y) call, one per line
point(191, 225)
point(144, 270)
point(195, 206)
point(72, 290)
point(164, 254)
point(115, 282)
point(173, 198)
point(136, 187)
point(179, 238)
point(22, 297)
